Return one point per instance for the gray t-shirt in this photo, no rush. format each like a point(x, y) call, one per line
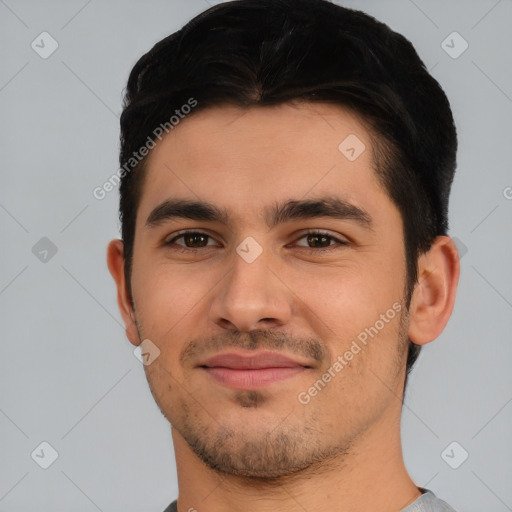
point(427, 502)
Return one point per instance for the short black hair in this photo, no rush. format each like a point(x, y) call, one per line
point(268, 52)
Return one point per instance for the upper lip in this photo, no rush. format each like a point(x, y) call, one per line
point(254, 361)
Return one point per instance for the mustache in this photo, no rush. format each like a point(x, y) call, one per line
point(309, 347)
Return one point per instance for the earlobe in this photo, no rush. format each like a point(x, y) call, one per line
point(434, 294)
point(115, 263)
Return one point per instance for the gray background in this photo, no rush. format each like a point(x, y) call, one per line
point(68, 374)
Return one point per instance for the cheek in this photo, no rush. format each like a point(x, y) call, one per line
point(358, 308)
point(165, 295)
point(354, 295)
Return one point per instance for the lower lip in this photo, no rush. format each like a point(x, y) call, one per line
point(251, 379)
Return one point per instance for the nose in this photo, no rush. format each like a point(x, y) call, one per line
point(251, 296)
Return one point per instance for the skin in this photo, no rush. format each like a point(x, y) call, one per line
point(263, 450)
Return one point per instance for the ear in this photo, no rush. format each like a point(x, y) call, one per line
point(434, 294)
point(115, 262)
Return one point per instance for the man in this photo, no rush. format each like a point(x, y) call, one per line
point(286, 168)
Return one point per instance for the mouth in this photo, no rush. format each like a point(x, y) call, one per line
point(242, 371)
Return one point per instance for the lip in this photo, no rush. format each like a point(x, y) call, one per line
point(251, 371)
point(254, 361)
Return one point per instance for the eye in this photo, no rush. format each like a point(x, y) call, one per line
point(192, 240)
point(321, 241)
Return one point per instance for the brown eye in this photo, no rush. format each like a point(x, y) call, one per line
point(194, 240)
point(318, 241)
point(191, 239)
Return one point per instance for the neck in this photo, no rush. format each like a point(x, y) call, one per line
point(370, 477)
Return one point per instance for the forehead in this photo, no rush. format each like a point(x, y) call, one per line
point(244, 159)
point(299, 128)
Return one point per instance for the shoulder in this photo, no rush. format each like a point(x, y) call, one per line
point(172, 507)
point(428, 502)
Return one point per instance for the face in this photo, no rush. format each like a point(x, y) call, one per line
point(278, 310)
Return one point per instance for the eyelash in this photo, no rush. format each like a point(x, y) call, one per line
point(311, 232)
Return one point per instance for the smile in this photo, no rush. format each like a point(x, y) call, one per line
point(242, 371)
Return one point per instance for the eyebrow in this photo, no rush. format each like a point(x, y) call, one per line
point(278, 213)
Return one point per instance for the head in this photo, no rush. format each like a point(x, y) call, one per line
point(246, 107)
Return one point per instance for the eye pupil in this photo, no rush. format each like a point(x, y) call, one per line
point(192, 238)
point(317, 237)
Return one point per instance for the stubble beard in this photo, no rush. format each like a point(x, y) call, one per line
point(268, 456)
